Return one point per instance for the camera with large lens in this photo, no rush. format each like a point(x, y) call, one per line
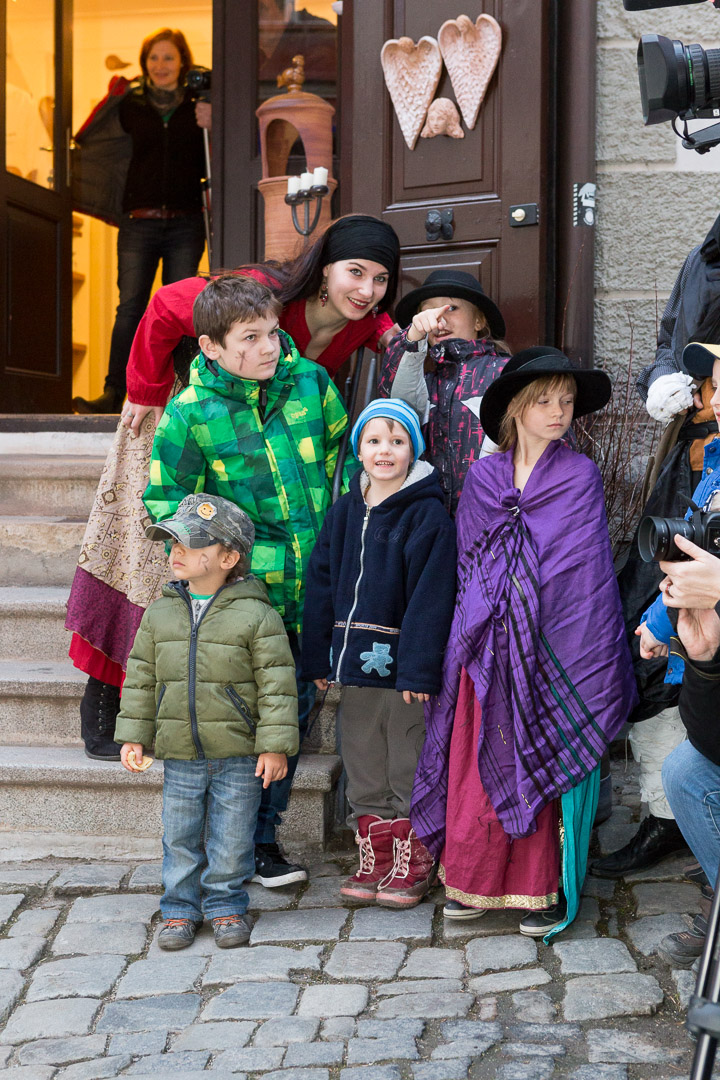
point(656, 535)
point(198, 79)
point(677, 80)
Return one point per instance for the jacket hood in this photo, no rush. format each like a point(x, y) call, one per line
point(422, 482)
point(459, 351)
point(248, 588)
point(208, 374)
point(710, 249)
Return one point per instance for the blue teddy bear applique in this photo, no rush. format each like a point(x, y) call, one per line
point(378, 659)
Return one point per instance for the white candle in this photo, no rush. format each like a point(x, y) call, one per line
point(320, 176)
point(293, 185)
point(306, 181)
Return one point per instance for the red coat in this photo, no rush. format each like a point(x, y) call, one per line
point(169, 317)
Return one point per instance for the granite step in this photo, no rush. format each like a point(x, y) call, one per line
point(40, 703)
point(39, 550)
point(57, 788)
point(32, 484)
point(32, 623)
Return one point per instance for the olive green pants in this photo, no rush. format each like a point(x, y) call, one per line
point(380, 741)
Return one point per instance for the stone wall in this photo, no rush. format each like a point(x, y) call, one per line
point(655, 200)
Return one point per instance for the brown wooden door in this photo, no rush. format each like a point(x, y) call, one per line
point(501, 163)
point(35, 209)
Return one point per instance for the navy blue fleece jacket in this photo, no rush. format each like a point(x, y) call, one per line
point(380, 588)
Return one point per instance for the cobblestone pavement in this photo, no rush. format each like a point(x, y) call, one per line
point(329, 993)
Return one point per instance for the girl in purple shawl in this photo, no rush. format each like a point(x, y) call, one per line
point(537, 677)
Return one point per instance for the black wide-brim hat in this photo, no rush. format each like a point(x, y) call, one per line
point(594, 388)
point(454, 283)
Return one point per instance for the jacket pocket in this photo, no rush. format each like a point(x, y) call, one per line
point(161, 695)
point(241, 707)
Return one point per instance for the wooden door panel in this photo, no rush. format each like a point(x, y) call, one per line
point(460, 166)
point(481, 218)
point(501, 162)
point(480, 260)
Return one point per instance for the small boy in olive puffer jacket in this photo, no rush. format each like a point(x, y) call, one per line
point(211, 682)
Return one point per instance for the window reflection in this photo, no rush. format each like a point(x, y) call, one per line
point(288, 28)
point(30, 90)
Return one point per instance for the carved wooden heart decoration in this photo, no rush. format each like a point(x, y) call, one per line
point(412, 73)
point(471, 51)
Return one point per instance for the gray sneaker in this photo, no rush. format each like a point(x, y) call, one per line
point(232, 930)
point(177, 934)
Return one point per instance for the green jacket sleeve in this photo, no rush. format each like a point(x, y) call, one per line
point(136, 720)
point(274, 670)
point(177, 465)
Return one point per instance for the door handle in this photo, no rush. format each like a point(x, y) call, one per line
point(439, 224)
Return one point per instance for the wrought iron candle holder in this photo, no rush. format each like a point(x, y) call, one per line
point(316, 192)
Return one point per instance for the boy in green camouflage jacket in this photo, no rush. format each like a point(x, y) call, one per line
point(259, 425)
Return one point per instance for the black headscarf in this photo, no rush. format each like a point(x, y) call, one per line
point(360, 236)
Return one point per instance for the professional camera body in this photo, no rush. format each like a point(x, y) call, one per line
point(656, 535)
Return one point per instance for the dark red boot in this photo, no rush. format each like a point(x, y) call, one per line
point(374, 838)
point(413, 870)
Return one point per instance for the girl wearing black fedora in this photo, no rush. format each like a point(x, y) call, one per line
point(452, 324)
point(537, 675)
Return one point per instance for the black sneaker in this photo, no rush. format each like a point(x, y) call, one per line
point(231, 931)
point(453, 909)
point(177, 934)
point(272, 869)
point(539, 923)
point(682, 950)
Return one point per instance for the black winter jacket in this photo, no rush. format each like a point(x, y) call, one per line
point(104, 148)
point(381, 588)
point(168, 161)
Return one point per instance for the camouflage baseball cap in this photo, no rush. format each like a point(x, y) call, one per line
point(201, 520)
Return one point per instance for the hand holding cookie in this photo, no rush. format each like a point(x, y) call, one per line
point(133, 759)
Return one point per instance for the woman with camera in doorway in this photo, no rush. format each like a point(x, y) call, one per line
point(158, 126)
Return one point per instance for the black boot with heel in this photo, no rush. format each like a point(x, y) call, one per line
point(99, 708)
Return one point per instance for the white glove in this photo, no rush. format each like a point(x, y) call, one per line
point(669, 395)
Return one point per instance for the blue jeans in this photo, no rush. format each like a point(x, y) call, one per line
point(275, 797)
point(209, 814)
point(692, 786)
point(142, 243)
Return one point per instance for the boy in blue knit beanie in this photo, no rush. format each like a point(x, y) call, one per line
point(378, 607)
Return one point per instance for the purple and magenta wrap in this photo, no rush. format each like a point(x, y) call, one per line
point(538, 626)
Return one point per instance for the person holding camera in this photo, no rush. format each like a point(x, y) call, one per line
point(152, 127)
point(677, 396)
point(691, 641)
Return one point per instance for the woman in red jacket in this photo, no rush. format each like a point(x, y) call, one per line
point(336, 296)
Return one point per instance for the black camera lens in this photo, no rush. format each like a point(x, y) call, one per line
point(676, 79)
point(656, 538)
point(199, 79)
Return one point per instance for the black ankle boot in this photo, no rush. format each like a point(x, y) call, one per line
point(98, 712)
point(654, 841)
point(110, 401)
